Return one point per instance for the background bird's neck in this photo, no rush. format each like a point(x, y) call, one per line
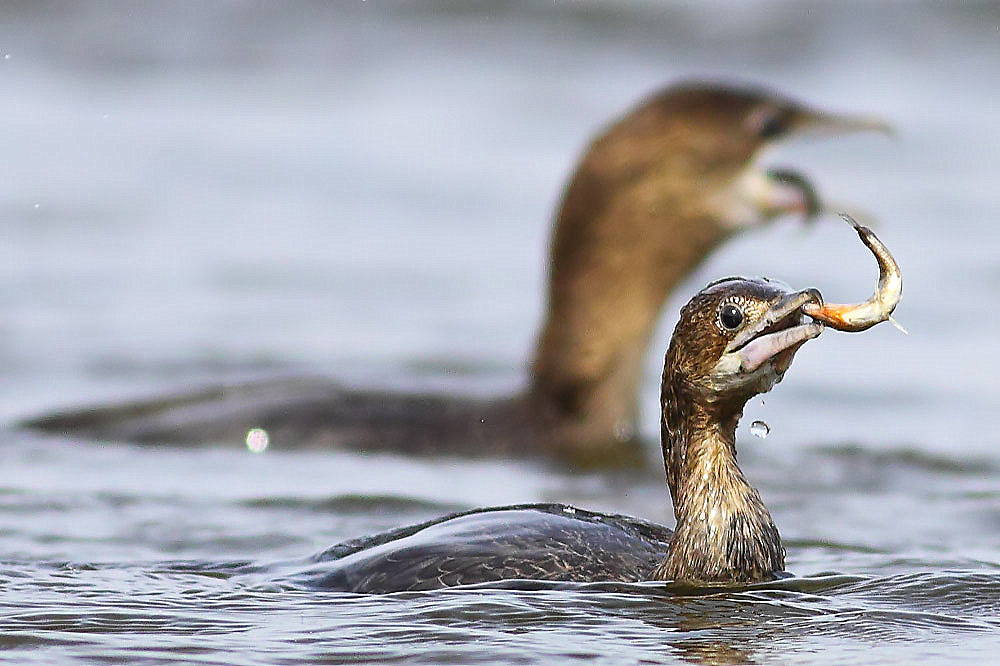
point(623, 239)
point(724, 532)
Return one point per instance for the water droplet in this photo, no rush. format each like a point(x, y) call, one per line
point(760, 429)
point(257, 440)
point(36, 206)
point(6, 56)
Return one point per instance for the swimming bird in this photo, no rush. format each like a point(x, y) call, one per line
point(653, 195)
point(735, 339)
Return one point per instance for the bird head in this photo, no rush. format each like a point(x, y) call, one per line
point(707, 138)
point(736, 338)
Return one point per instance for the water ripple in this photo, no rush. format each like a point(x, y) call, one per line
point(168, 604)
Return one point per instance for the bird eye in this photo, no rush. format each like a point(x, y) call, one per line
point(772, 127)
point(767, 121)
point(730, 317)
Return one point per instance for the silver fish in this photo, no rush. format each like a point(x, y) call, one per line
point(862, 316)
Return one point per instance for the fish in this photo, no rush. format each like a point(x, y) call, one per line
point(857, 317)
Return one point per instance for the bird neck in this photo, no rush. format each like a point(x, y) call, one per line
point(724, 533)
point(626, 233)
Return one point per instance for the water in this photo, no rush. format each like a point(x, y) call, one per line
point(194, 192)
point(257, 440)
point(760, 429)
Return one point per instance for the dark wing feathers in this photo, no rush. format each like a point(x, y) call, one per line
point(550, 542)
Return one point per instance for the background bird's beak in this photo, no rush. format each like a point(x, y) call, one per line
point(778, 191)
point(789, 191)
point(808, 121)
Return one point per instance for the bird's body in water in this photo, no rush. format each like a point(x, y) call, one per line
point(652, 196)
point(735, 339)
point(525, 542)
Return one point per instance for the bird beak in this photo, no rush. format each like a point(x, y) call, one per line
point(769, 339)
point(780, 309)
point(808, 121)
point(787, 191)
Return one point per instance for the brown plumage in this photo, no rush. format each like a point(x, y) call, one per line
point(652, 196)
point(724, 533)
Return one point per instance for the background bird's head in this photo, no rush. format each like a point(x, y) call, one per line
point(701, 140)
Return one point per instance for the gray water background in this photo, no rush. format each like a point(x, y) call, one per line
point(203, 191)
